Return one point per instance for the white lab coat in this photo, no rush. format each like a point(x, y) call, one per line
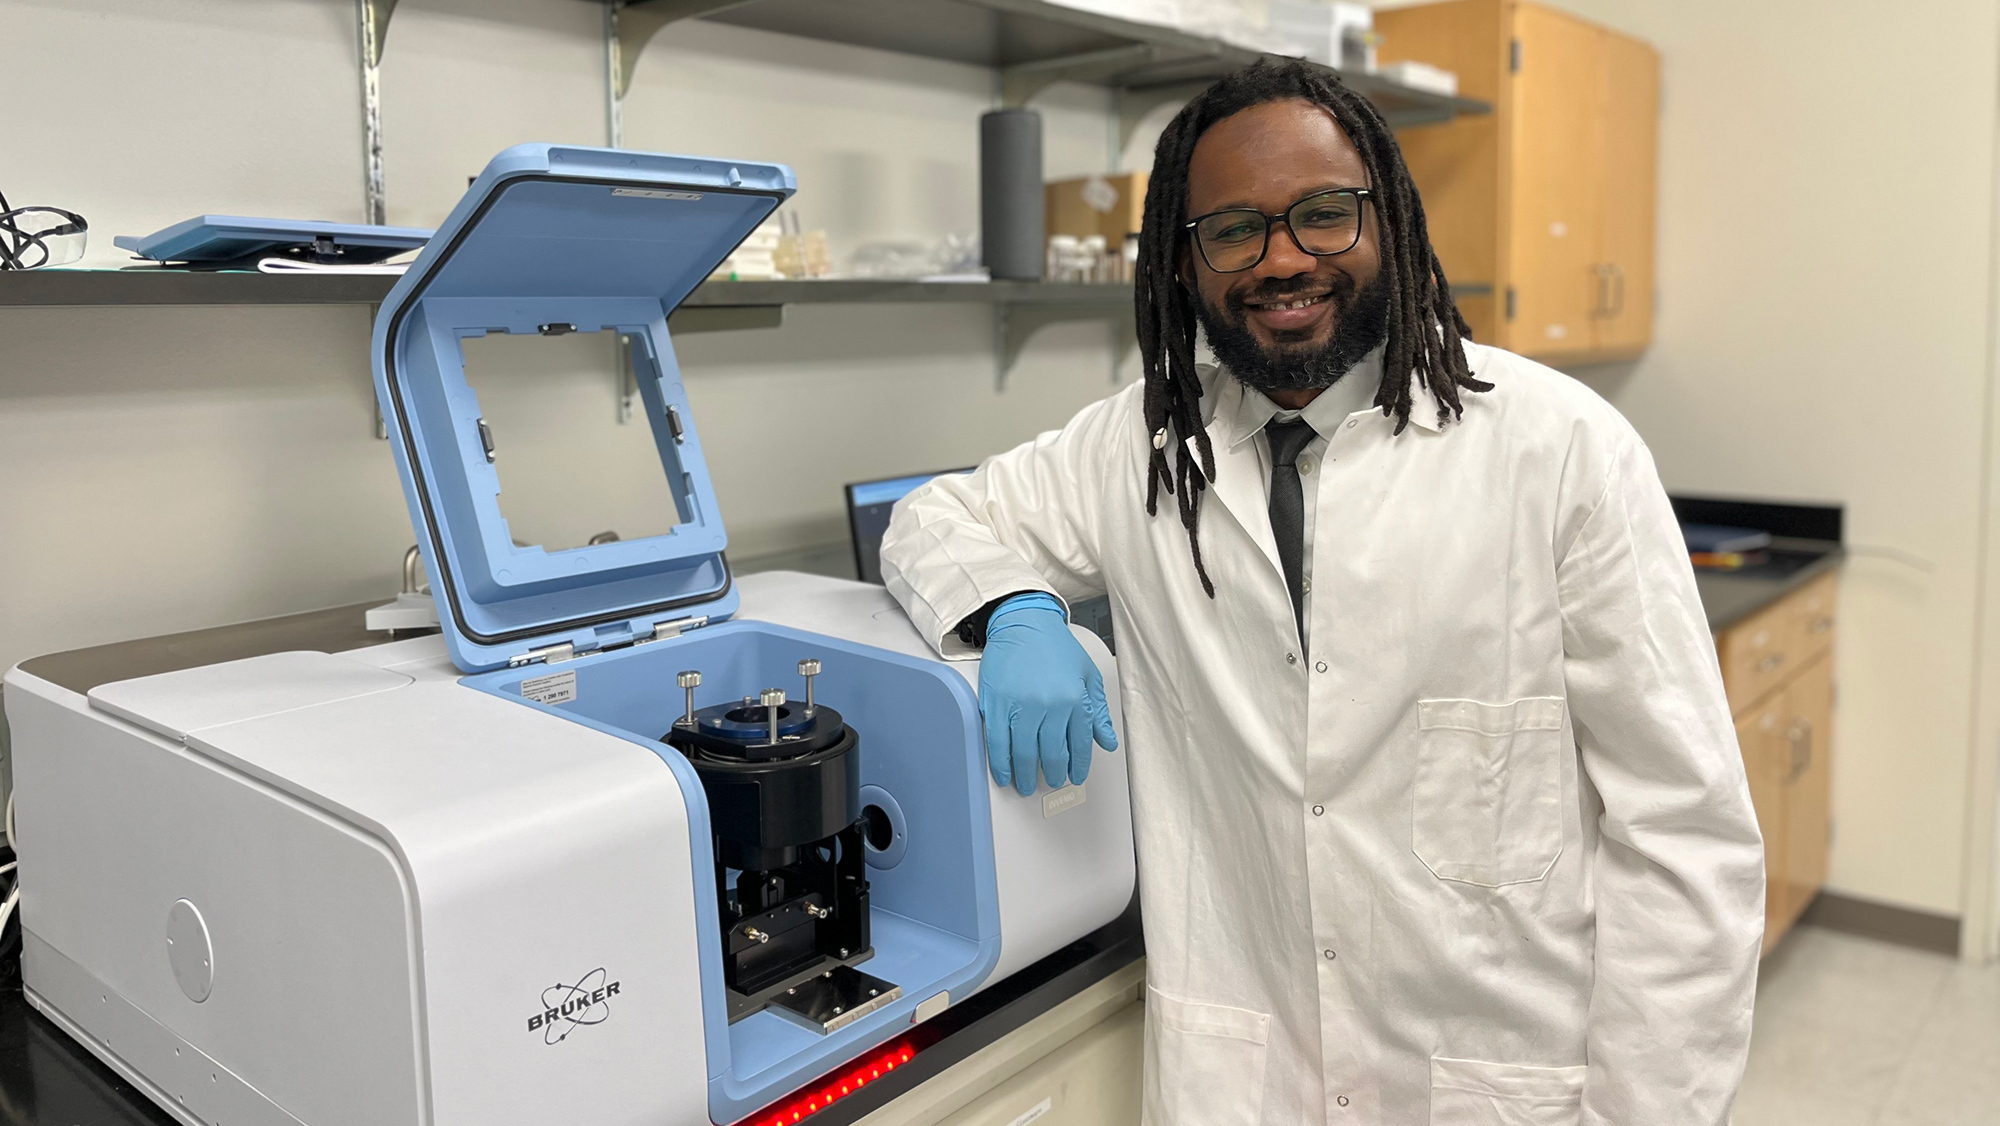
point(1486, 857)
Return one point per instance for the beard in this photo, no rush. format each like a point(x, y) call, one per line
point(1361, 324)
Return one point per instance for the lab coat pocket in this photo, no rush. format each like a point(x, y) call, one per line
point(1204, 1063)
point(1486, 807)
point(1477, 1093)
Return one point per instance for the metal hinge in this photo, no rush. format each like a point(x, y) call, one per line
point(1514, 56)
point(547, 655)
point(1512, 302)
point(668, 630)
point(551, 654)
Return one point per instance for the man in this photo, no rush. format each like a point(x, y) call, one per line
point(1440, 813)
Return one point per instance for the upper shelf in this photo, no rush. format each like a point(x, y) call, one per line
point(146, 285)
point(1030, 42)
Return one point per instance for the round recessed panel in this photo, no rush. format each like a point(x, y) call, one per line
point(189, 951)
point(887, 831)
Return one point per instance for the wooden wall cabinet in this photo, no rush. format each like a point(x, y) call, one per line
point(1777, 669)
point(1551, 197)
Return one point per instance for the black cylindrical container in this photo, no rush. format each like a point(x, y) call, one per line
point(1012, 219)
point(762, 808)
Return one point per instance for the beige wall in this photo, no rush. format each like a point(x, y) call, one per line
point(1825, 253)
point(169, 468)
point(1826, 202)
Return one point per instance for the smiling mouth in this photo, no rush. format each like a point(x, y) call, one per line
point(1290, 302)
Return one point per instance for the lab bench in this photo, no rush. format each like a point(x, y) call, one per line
point(1774, 626)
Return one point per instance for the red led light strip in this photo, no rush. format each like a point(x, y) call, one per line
point(809, 1102)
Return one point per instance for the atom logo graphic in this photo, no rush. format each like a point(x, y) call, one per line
point(566, 1008)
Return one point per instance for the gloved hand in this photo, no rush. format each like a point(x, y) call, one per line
point(1041, 695)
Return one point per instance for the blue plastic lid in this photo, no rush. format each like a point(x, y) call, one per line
point(223, 238)
point(556, 238)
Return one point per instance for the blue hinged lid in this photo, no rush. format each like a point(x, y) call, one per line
point(548, 239)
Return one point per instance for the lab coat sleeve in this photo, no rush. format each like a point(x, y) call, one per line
point(1678, 880)
point(1024, 520)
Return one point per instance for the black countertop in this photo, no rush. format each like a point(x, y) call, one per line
point(1729, 597)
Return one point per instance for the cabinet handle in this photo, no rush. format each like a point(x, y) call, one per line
point(1617, 290)
point(1603, 307)
point(1766, 664)
point(1801, 736)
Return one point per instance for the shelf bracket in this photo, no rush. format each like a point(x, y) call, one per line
point(1134, 103)
point(372, 35)
point(628, 383)
point(633, 24)
point(1022, 81)
point(1014, 325)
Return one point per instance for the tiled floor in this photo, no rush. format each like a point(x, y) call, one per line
point(1852, 1032)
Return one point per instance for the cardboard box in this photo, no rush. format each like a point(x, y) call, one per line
point(1112, 206)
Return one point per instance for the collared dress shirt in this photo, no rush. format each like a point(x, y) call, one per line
point(1349, 394)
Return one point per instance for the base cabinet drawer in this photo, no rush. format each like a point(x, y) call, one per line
point(1092, 1080)
point(1757, 655)
point(1777, 670)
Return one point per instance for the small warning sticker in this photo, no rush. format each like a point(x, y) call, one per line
point(556, 688)
point(1062, 801)
point(1035, 1113)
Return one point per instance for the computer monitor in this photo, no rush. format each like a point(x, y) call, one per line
point(868, 506)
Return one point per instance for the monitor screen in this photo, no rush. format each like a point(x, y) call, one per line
point(868, 506)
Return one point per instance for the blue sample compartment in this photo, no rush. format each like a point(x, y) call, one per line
point(935, 911)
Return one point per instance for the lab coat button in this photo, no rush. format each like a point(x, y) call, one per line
point(1319, 811)
point(1321, 667)
point(1329, 955)
point(1342, 1100)
point(1291, 658)
point(1351, 422)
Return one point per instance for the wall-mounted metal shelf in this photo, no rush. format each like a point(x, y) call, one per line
point(151, 285)
point(1031, 43)
point(1020, 309)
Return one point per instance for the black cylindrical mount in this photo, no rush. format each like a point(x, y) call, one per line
point(761, 809)
point(1012, 217)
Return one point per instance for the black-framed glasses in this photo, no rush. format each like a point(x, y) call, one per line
point(39, 236)
point(1322, 224)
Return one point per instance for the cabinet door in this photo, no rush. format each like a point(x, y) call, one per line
point(1808, 783)
point(1457, 165)
point(1631, 100)
point(1766, 756)
point(1557, 184)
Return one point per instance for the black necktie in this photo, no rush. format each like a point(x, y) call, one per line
point(1288, 508)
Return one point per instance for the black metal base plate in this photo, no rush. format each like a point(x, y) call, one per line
point(835, 999)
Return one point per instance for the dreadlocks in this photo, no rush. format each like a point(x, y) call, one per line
point(1425, 331)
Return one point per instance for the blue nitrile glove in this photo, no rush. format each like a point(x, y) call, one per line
point(1041, 695)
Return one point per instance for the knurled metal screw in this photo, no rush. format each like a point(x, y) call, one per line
point(809, 668)
point(772, 698)
point(689, 680)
